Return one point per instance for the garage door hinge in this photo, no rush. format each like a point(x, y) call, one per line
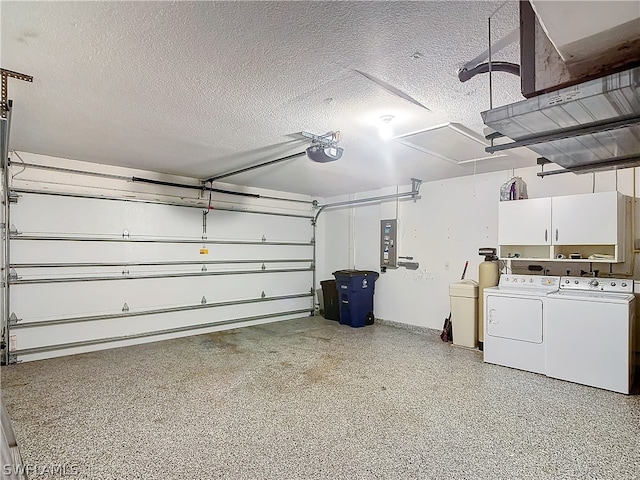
point(203, 269)
point(313, 241)
point(312, 266)
point(264, 267)
point(203, 301)
point(125, 272)
point(263, 295)
point(13, 197)
point(125, 308)
point(13, 230)
point(13, 320)
point(13, 275)
point(264, 239)
point(125, 234)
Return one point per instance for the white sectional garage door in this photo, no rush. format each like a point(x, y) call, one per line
point(91, 273)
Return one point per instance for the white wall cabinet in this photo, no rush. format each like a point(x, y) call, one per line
point(525, 222)
point(592, 218)
point(591, 226)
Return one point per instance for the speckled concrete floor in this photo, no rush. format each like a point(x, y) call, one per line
point(313, 399)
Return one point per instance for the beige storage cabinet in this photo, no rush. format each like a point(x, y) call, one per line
point(464, 312)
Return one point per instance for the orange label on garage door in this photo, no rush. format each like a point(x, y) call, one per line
point(204, 251)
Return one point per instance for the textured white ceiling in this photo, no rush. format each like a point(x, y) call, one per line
point(199, 88)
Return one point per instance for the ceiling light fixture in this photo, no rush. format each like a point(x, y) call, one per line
point(386, 130)
point(324, 148)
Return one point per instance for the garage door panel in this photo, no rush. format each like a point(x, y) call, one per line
point(26, 338)
point(38, 252)
point(47, 301)
point(33, 214)
point(156, 338)
point(57, 288)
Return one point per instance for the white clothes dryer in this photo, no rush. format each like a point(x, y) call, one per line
point(514, 319)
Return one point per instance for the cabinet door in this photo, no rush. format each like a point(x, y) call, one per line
point(525, 222)
point(589, 219)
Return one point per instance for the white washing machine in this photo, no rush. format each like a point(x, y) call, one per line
point(590, 332)
point(514, 321)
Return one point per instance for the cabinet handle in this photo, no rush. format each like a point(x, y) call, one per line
point(545, 234)
point(556, 234)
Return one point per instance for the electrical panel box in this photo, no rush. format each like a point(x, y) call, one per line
point(388, 243)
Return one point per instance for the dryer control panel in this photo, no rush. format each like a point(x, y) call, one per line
point(528, 281)
point(597, 284)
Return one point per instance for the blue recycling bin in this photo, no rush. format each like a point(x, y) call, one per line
point(355, 295)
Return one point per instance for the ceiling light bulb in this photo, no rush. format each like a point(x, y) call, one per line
point(386, 131)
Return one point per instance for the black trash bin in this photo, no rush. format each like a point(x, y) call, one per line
point(330, 300)
point(355, 294)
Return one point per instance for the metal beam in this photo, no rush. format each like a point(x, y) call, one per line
point(157, 182)
point(155, 264)
point(253, 167)
point(616, 163)
point(201, 188)
point(31, 281)
point(560, 134)
point(6, 224)
point(415, 190)
point(156, 202)
point(60, 238)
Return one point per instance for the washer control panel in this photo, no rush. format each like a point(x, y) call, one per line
point(597, 284)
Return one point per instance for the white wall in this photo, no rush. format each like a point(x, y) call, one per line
point(444, 228)
point(37, 214)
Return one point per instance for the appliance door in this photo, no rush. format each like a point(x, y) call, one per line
point(514, 318)
point(589, 342)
